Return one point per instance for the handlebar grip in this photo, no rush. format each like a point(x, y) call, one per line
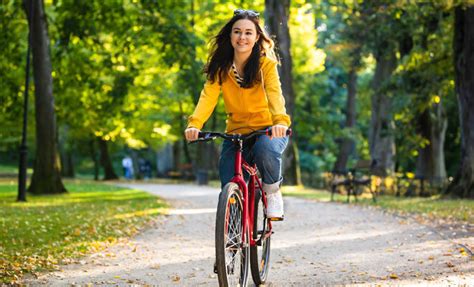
point(289, 132)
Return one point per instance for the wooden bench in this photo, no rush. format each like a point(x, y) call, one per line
point(185, 171)
point(352, 182)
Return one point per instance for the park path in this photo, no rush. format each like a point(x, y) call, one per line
point(319, 243)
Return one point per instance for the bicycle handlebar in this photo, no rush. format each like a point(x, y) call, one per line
point(209, 136)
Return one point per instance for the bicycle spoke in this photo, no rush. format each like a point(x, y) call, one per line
point(233, 246)
point(231, 253)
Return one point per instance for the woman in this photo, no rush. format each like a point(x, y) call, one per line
point(243, 65)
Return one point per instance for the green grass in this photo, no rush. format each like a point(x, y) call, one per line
point(9, 169)
point(432, 207)
point(49, 230)
point(12, 169)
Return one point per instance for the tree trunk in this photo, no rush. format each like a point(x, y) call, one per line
point(67, 162)
point(136, 164)
point(463, 184)
point(46, 177)
point(177, 154)
point(382, 142)
point(109, 172)
point(94, 159)
point(187, 154)
point(277, 13)
point(432, 124)
point(164, 160)
point(347, 145)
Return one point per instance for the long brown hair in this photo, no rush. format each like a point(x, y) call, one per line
point(221, 56)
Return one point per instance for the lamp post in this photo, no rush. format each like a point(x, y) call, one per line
point(23, 147)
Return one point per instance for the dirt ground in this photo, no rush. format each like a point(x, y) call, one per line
point(319, 243)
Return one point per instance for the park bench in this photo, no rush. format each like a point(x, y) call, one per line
point(184, 171)
point(353, 179)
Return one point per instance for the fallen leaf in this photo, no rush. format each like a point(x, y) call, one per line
point(449, 264)
point(393, 276)
point(463, 251)
point(77, 232)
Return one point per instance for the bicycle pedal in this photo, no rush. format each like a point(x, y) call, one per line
point(276, 218)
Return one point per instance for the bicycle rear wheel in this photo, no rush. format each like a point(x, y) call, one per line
point(260, 253)
point(232, 260)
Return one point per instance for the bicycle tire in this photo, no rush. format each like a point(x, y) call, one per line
point(230, 248)
point(260, 254)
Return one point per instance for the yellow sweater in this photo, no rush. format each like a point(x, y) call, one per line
point(249, 109)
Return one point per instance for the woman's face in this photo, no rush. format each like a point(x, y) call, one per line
point(243, 36)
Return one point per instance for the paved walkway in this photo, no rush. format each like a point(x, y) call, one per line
point(317, 244)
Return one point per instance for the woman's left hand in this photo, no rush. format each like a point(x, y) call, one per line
point(278, 131)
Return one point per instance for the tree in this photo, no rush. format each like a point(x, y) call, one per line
point(423, 84)
point(277, 14)
point(347, 144)
point(352, 41)
point(46, 174)
point(463, 184)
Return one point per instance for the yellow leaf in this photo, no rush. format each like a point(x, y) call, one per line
point(393, 276)
point(92, 230)
point(77, 232)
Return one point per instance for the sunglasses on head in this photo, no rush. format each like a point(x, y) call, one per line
point(250, 13)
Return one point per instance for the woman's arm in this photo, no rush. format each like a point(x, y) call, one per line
point(206, 104)
point(276, 101)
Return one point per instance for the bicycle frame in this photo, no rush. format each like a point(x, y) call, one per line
point(248, 194)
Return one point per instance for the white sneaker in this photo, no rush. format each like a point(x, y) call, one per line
point(274, 201)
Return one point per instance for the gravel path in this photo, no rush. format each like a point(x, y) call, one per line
point(317, 244)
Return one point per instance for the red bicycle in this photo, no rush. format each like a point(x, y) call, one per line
point(243, 230)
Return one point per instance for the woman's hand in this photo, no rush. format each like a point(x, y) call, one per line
point(278, 131)
point(191, 134)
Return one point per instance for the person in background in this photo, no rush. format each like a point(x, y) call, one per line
point(127, 165)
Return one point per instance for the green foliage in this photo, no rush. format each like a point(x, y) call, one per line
point(46, 230)
point(130, 72)
point(13, 45)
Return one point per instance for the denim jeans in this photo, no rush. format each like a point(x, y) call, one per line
point(264, 152)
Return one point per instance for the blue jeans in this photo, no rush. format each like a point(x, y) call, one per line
point(264, 152)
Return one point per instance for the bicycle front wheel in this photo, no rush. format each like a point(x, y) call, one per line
point(260, 253)
point(232, 260)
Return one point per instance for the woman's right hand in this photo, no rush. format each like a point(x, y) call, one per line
point(191, 134)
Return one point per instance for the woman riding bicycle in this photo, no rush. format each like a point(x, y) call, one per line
point(243, 65)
